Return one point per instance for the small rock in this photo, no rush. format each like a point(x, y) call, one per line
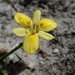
point(41, 61)
point(56, 51)
point(31, 61)
point(11, 56)
point(66, 4)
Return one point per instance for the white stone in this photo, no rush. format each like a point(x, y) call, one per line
point(56, 51)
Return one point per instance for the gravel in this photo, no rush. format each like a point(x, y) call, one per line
point(58, 55)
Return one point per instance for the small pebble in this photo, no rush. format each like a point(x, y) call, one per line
point(11, 56)
point(31, 61)
point(55, 51)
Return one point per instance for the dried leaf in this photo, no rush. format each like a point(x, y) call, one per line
point(3, 49)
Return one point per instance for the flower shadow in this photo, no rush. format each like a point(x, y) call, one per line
point(15, 68)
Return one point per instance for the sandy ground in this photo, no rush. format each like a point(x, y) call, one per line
point(59, 56)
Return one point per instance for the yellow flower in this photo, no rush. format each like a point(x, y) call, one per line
point(33, 29)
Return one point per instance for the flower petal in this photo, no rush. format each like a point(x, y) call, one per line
point(31, 43)
point(36, 17)
point(48, 24)
point(19, 31)
point(22, 20)
point(45, 35)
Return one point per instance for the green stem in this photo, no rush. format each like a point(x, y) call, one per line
point(12, 51)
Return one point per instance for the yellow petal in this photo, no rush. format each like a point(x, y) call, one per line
point(45, 35)
point(31, 43)
point(36, 17)
point(22, 20)
point(19, 31)
point(47, 24)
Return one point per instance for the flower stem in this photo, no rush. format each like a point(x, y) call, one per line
point(12, 51)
